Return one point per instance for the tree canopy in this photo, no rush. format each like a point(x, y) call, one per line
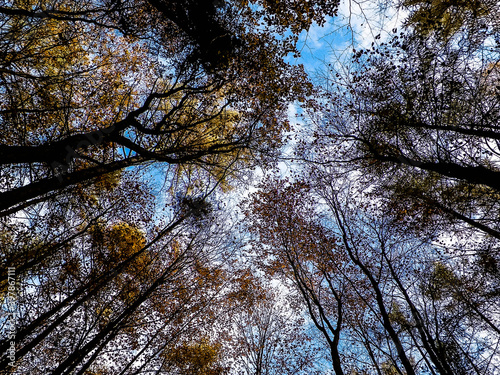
point(148, 224)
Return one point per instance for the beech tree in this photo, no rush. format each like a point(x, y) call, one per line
point(417, 117)
point(118, 123)
point(299, 251)
point(271, 337)
point(385, 301)
point(90, 90)
point(403, 154)
point(123, 124)
point(119, 293)
point(420, 113)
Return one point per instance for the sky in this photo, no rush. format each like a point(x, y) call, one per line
point(357, 25)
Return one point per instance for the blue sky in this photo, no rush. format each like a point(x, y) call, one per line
point(356, 26)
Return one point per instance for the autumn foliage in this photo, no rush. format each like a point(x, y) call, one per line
point(147, 225)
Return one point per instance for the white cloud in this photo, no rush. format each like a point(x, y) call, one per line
point(367, 19)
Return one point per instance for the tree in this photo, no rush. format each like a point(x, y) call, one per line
point(426, 105)
point(449, 18)
point(271, 337)
point(343, 295)
point(194, 358)
point(402, 308)
point(95, 96)
point(119, 294)
point(294, 249)
point(418, 116)
point(102, 99)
